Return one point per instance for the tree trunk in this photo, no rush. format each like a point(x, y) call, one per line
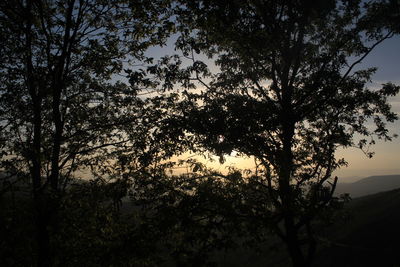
point(293, 245)
point(35, 156)
point(43, 256)
point(287, 194)
point(296, 256)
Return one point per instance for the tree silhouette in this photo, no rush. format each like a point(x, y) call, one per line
point(61, 108)
point(287, 93)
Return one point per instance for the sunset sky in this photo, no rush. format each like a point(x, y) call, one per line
point(386, 160)
point(387, 157)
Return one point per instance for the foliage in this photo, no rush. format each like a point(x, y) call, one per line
point(286, 92)
point(62, 109)
point(59, 61)
point(95, 232)
point(180, 220)
point(17, 242)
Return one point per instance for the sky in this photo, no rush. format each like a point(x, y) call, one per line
point(386, 160)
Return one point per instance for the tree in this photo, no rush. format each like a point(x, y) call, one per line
point(61, 108)
point(287, 93)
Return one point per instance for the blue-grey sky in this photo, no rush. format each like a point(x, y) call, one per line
point(386, 57)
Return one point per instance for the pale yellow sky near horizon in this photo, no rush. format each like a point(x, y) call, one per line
point(384, 162)
point(386, 57)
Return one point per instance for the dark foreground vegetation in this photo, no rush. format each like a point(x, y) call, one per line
point(369, 235)
point(93, 230)
point(83, 96)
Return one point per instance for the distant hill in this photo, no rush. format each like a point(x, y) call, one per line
point(366, 236)
point(370, 237)
point(350, 179)
point(369, 185)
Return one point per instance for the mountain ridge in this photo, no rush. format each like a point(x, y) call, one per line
point(369, 185)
